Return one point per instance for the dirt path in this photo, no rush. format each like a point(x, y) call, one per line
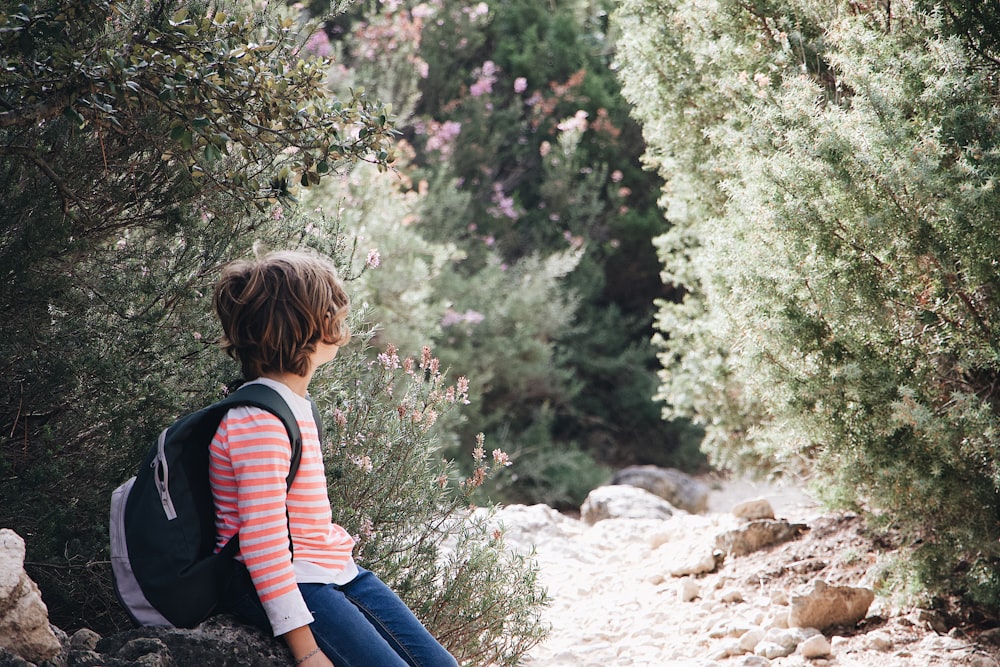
point(615, 603)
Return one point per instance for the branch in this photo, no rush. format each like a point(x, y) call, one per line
point(37, 112)
point(67, 194)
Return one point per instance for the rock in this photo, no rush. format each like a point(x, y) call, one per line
point(750, 639)
point(753, 661)
point(933, 620)
point(771, 650)
point(828, 606)
point(731, 595)
point(816, 646)
point(688, 590)
point(679, 489)
point(752, 510)
point(623, 502)
point(879, 641)
point(685, 559)
point(84, 639)
point(991, 636)
point(758, 534)
point(24, 618)
point(789, 638)
point(220, 641)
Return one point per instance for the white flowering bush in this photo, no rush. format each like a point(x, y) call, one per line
point(832, 176)
point(410, 508)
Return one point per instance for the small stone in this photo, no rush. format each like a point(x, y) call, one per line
point(141, 646)
point(731, 595)
point(688, 590)
point(878, 641)
point(86, 658)
point(750, 639)
point(751, 510)
point(771, 650)
point(84, 639)
point(816, 646)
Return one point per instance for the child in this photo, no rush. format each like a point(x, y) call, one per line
point(283, 315)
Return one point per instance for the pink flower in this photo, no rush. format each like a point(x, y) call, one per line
point(500, 458)
point(520, 85)
point(374, 258)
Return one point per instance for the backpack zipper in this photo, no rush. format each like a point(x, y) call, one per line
point(161, 475)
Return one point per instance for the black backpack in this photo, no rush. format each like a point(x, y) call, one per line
point(163, 519)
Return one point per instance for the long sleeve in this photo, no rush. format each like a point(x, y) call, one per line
point(249, 462)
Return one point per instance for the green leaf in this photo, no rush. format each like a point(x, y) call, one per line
point(179, 16)
point(212, 153)
point(75, 117)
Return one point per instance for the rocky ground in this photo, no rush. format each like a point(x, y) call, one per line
point(617, 602)
point(655, 591)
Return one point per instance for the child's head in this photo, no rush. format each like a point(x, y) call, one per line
point(276, 308)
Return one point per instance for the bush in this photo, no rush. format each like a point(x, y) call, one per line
point(129, 179)
point(831, 186)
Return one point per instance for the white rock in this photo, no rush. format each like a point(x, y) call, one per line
point(623, 502)
point(816, 646)
point(731, 595)
point(750, 639)
point(24, 618)
point(756, 508)
point(771, 650)
point(683, 559)
point(753, 661)
point(794, 636)
point(688, 590)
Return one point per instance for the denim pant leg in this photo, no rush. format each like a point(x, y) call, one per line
point(363, 624)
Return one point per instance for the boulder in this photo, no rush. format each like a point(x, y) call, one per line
point(677, 488)
point(623, 502)
point(828, 606)
point(24, 618)
point(757, 535)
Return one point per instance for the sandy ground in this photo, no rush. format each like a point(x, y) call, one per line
point(614, 603)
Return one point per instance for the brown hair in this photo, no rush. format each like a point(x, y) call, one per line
point(275, 308)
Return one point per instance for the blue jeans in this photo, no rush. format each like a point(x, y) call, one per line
point(360, 624)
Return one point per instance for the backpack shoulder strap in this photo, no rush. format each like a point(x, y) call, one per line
point(263, 397)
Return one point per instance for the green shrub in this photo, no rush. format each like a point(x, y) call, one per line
point(126, 186)
point(831, 177)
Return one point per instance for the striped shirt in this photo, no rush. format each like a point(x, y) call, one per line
point(249, 460)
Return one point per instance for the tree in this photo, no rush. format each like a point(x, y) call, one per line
point(142, 145)
point(830, 178)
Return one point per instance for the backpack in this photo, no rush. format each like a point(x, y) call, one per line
point(162, 527)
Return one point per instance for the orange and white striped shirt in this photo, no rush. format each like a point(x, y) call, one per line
point(249, 460)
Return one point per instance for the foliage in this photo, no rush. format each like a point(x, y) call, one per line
point(141, 146)
point(409, 508)
point(383, 212)
point(524, 149)
point(830, 177)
